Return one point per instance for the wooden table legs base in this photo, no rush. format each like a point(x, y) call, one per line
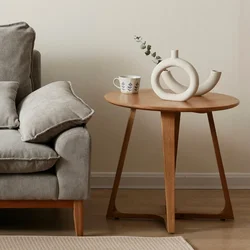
point(223, 215)
point(119, 215)
point(170, 133)
point(178, 216)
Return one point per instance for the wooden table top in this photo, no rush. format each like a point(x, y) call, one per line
point(146, 99)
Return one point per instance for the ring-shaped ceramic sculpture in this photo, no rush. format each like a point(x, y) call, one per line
point(203, 88)
point(174, 61)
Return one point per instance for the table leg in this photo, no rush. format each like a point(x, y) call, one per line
point(227, 212)
point(170, 129)
point(112, 207)
point(113, 212)
point(177, 129)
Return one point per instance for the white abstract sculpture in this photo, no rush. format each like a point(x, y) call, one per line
point(182, 93)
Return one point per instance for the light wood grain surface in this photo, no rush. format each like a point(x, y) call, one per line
point(202, 234)
point(148, 100)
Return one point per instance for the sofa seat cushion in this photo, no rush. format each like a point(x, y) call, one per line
point(33, 186)
point(17, 156)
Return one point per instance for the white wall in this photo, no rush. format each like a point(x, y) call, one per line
point(90, 42)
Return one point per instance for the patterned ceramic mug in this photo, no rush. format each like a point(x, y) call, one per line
point(128, 84)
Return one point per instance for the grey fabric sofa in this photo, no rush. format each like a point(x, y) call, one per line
point(66, 184)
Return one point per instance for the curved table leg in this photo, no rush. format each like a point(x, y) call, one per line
point(227, 212)
point(112, 208)
point(113, 212)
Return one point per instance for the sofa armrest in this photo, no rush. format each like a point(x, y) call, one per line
point(73, 168)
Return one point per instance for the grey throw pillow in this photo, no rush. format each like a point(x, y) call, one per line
point(8, 113)
point(51, 110)
point(17, 42)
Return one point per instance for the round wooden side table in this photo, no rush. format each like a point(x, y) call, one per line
point(146, 99)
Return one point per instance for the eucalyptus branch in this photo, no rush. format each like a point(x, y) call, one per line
point(147, 49)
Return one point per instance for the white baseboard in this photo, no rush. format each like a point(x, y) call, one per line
point(148, 180)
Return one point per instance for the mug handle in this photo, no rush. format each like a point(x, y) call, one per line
point(115, 83)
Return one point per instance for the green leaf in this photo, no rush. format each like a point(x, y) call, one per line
point(158, 58)
point(143, 46)
point(147, 53)
point(149, 47)
point(137, 38)
point(153, 54)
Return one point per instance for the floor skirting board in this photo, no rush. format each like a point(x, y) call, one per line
point(150, 180)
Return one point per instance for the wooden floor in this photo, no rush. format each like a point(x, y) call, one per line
point(229, 235)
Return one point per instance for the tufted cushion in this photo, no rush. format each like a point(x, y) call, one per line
point(17, 156)
point(17, 42)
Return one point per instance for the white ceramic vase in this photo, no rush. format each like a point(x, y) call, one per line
point(181, 92)
point(203, 88)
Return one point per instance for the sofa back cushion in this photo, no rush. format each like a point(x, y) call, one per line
point(8, 113)
point(17, 42)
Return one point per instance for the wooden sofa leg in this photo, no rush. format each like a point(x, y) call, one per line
point(78, 217)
